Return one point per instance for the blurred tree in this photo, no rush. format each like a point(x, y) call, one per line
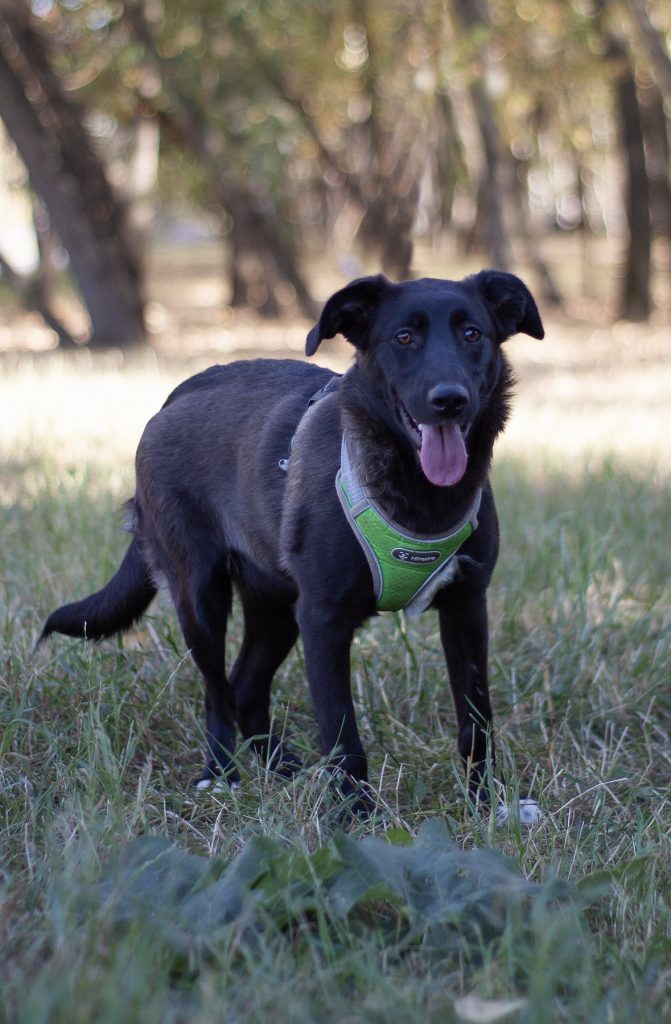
point(262, 252)
point(498, 68)
point(346, 77)
point(657, 155)
point(314, 130)
point(387, 134)
point(653, 41)
point(635, 298)
point(471, 18)
point(65, 171)
point(654, 87)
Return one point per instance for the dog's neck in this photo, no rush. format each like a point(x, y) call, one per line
point(387, 464)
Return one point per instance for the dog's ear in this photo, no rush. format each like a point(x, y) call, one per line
point(511, 304)
point(349, 312)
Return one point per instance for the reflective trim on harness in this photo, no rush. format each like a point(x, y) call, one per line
point(407, 568)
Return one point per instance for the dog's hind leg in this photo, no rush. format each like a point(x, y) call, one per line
point(203, 608)
point(270, 633)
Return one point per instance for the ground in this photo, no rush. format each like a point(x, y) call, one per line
point(99, 741)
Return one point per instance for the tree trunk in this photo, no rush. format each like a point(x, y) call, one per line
point(472, 17)
point(449, 154)
point(635, 301)
point(653, 41)
point(252, 273)
point(658, 160)
point(67, 174)
point(519, 191)
point(392, 162)
point(492, 186)
point(386, 227)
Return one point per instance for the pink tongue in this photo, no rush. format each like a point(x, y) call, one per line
point(443, 454)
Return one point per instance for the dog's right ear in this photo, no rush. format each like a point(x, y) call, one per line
point(349, 312)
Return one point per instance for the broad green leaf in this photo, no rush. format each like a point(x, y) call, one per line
point(428, 890)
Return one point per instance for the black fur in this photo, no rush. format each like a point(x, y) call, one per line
point(213, 511)
point(117, 606)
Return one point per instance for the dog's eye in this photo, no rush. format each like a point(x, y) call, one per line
point(404, 337)
point(472, 334)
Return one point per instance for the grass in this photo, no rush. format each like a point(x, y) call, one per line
point(98, 743)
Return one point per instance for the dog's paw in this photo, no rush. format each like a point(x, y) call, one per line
point(218, 784)
point(212, 777)
point(528, 810)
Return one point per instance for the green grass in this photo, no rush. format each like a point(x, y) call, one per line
point(98, 744)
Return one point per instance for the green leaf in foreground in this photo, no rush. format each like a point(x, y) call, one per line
point(430, 891)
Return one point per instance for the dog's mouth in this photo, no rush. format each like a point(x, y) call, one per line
point(441, 448)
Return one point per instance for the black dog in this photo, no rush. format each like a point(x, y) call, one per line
point(243, 481)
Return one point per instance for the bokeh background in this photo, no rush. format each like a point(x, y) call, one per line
point(166, 166)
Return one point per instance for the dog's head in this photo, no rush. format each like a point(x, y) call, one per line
point(436, 346)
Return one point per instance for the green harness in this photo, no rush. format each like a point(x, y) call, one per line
point(407, 568)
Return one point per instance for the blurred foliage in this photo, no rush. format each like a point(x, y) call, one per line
point(358, 121)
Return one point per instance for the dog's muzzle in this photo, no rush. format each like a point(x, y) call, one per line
point(440, 446)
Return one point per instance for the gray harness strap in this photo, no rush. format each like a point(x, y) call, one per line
point(331, 385)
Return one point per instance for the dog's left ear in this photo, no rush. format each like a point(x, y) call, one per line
point(349, 312)
point(511, 303)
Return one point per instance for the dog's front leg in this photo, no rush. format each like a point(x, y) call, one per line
point(464, 634)
point(326, 642)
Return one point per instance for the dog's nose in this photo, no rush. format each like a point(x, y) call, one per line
point(450, 400)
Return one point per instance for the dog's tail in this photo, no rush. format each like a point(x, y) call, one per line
point(117, 606)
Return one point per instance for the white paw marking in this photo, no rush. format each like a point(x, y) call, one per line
point(529, 812)
point(218, 785)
